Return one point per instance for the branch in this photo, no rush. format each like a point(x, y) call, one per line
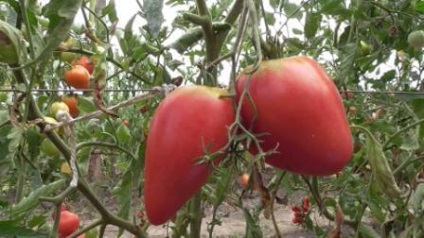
point(195, 34)
point(153, 93)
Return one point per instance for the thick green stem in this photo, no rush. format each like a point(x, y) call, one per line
point(196, 215)
point(21, 180)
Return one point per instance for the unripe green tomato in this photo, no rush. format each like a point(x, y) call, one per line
point(416, 39)
point(68, 56)
point(56, 106)
point(365, 48)
point(49, 148)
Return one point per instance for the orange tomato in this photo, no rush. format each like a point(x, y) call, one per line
point(78, 77)
point(244, 179)
point(86, 63)
point(71, 102)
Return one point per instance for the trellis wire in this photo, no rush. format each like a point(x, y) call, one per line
point(146, 90)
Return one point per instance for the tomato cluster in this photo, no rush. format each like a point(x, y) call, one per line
point(299, 213)
point(79, 75)
point(290, 104)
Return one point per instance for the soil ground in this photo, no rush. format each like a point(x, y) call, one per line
point(233, 222)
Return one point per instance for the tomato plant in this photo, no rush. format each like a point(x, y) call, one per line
point(172, 170)
point(299, 108)
point(78, 77)
point(371, 50)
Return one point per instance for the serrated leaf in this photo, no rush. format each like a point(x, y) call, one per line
point(292, 10)
point(31, 201)
point(110, 11)
point(4, 143)
point(15, 136)
point(61, 14)
point(9, 229)
point(85, 104)
point(348, 58)
point(367, 232)
point(154, 16)
point(123, 133)
point(253, 230)
point(11, 44)
point(33, 140)
point(121, 192)
point(222, 185)
point(312, 23)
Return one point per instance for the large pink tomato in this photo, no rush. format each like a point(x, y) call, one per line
point(298, 108)
point(189, 121)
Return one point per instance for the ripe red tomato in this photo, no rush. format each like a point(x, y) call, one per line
point(86, 63)
point(78, 77)
point(300, 109)
point(71, 102)
point(63, 207)
point(68, 223)
point(189, 121)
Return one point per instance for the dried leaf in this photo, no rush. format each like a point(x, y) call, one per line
point(98, 94)
point(264, 193)
point(338, 221)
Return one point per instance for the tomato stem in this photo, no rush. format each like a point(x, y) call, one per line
point(196, 215)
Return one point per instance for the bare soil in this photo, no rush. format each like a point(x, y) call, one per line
point(233, 221)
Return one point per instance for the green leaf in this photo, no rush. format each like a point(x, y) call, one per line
point(388, 76)
point(367, 231)
point(11, 44)
point(335, 7)
point(381, 171)
point(123, 133)
point(9, 229)
point(269, 18)
point(221, 189)
point(154, 16)
point(292, 10)
point(110, 11)
point(33, 138)
point(4, 142)
point(32, 201)
point(15, 136)
point(418, 199)
point(312, 23)
point(253, 230)
point(61, 14)
point(419, 7)
point(86, 104)
point(348, 58)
